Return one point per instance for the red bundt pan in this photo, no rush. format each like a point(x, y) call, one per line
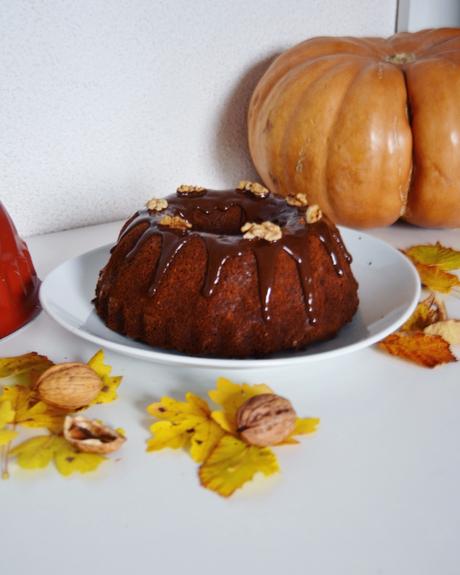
point(19, 283)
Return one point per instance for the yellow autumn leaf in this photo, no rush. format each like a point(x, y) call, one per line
point(447, 329)
point(184, 424)
point(167, 434)
point(425, 350)
point(233, 463)
point(6, 413)
point(435, 255)
point(6, 416)
point(7, 435)
point(110, 383)
point(428, 311)
point(206, 436)
point(230, 396)
point(69, 460)
point(38, 452)
point(28, 411)
point(11, 366)
point(436, 279)
point(170, 409)
point(305, 425)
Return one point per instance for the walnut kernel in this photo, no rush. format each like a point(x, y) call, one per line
point(313, 214)
point(266, 419)
point(91, 436)
point(266, 231)
point(175, 222)
point(253, 188)
point(157, 204)
point(299, 200)
point(186, 190)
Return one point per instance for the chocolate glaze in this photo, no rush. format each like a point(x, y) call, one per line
point(222, 246)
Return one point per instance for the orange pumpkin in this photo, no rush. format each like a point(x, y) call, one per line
point(368, 128)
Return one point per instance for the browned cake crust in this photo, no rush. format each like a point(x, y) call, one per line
point(191, 282)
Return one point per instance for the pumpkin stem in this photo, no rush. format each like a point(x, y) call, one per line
point(401, 58)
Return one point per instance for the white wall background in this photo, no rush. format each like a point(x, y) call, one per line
point(416, 15)
point(105, 103)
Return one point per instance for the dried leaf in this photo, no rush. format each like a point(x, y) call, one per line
point(167, 434)
point(11, 366)
point(233, 463)
point(436, 279)
point(435, 255)
point(38, 452)
point(448, 330)
point(28, 411)
point(425, 350)
point(110, 384)
point(306, 425)
point(230, 396)
point(7, 435)
point(186, 423)
point(428, 311)
point(6, 413)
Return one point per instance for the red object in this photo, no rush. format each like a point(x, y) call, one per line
point(19, 283)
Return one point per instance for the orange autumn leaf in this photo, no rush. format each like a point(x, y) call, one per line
point(428, 311)
point(436, 254)
point(425, 350)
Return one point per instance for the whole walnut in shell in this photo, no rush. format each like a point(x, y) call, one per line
point(265, 419)
point(68, 386)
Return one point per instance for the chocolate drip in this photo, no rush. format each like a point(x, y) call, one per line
point(171, 244)
point(219, 250)
point(233, 208)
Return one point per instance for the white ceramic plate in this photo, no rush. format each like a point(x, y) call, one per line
point(389, 289)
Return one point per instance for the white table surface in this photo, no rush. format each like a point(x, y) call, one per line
point(374, 491)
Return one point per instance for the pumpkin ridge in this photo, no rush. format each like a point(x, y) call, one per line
point(440, 43)
point(290, 79)
point(273, 100)
point(338, 114)
point(433, 191)
point(286, 181)
point(404, 194)
point(372, 45)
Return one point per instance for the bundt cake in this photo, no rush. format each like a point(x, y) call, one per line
point(18, 281)
point(236, 273)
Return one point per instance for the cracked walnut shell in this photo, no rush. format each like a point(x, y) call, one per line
point(91, 436)
point(68, 386)
point(266, 419)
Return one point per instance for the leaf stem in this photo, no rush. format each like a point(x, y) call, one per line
point(6, 457)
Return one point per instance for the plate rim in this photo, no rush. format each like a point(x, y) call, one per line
point(165, 357)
